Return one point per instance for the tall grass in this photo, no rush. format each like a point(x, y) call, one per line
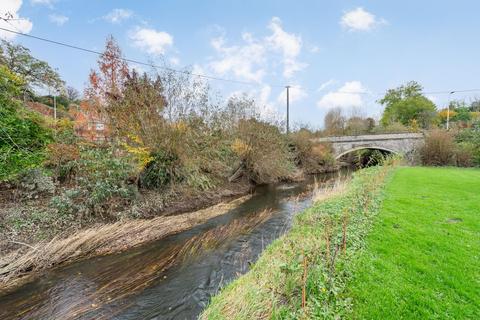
point(100, 240)
point(115, 284)
point(303, 274)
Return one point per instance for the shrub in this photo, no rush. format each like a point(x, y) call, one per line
point(160, 171)
point(471, 137)
point(439, 149)
point(35, 182)
point(395, 127)
point(464, 154)
point(101, 184)
point(264, 152)
point(61, 158)
point(23, 133)
point(310, 156)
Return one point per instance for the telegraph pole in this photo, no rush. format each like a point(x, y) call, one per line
point(288, 108)
point(54, 106)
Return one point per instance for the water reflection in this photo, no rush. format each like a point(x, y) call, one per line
point(156, 281)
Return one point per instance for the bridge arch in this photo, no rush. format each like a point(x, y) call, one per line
point(397, 143)
point(363, 148)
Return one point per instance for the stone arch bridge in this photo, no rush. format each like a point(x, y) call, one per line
point(397, 143)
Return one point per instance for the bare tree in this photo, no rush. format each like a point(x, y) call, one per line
point(72, 93)
point(334, 122)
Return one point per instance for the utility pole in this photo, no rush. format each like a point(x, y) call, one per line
point(448, 108)
point(288, 109)
point(54, 106)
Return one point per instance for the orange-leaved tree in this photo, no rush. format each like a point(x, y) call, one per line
point(108, 81)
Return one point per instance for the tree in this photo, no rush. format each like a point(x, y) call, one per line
point(475, 105)
point(72, 94)
point(407, 103)
point(35, 72)
point(462, 114)
point(334, 121)
point(357, 125)
point(107, 83)
point(23, 134)
point(137, 114)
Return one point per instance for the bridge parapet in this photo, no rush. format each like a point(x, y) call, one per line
point(400, 143)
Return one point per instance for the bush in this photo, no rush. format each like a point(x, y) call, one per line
point(470, 138)
point(23, 134)
point(464, 154)
point(35, 182)
point(101, 184)
point(61, 158)
point(308, 155)
point(263, 151)
point(439, 149)
point(395, 127)
point(160, 171)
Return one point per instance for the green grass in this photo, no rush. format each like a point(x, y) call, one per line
point(420, 264)
point(272, 289)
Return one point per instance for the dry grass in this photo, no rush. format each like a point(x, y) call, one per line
point(114, 284)
point(105, 239)
point(322, 193)
point(299, 275)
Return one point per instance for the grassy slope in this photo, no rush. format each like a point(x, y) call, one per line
point(273, 287)
point(418, 264)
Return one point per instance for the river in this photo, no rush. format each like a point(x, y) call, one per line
point(147, 283)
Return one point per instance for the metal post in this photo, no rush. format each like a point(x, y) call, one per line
point(288, 109)
point(54, 107)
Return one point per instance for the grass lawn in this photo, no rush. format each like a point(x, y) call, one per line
point(423, 254)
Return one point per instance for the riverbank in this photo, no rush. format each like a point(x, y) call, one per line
point(422, 260)
point(303, 274)
point(172, 278)
point(22, 265)
point(405, 249)
point(26, 220)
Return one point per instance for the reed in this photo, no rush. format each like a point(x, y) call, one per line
point(21, 265)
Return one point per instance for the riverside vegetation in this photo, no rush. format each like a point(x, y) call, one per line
point(144, 146)
point(167, 146)
point(388, 245)
point(304, 274)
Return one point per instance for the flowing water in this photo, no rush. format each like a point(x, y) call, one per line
point(150, 282)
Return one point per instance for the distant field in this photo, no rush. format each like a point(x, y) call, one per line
point(423, 253)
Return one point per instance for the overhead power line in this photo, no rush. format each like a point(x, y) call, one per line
point(71, 46)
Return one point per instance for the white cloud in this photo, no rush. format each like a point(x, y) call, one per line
point(198, 69)
point(326, 84)
point(245, 62)
point(289, 44)
point(58, 19)
point(117, 15)
point(360, 20)
point(250, 60)
point(9, 9)
point(151, 41)
point(267, 110)
point(314, 49)
point(349, 95)
point(174, 61)
point(296, 93)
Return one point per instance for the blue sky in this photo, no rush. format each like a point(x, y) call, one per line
point(325, 49)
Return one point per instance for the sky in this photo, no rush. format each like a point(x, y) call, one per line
point(333, 53)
